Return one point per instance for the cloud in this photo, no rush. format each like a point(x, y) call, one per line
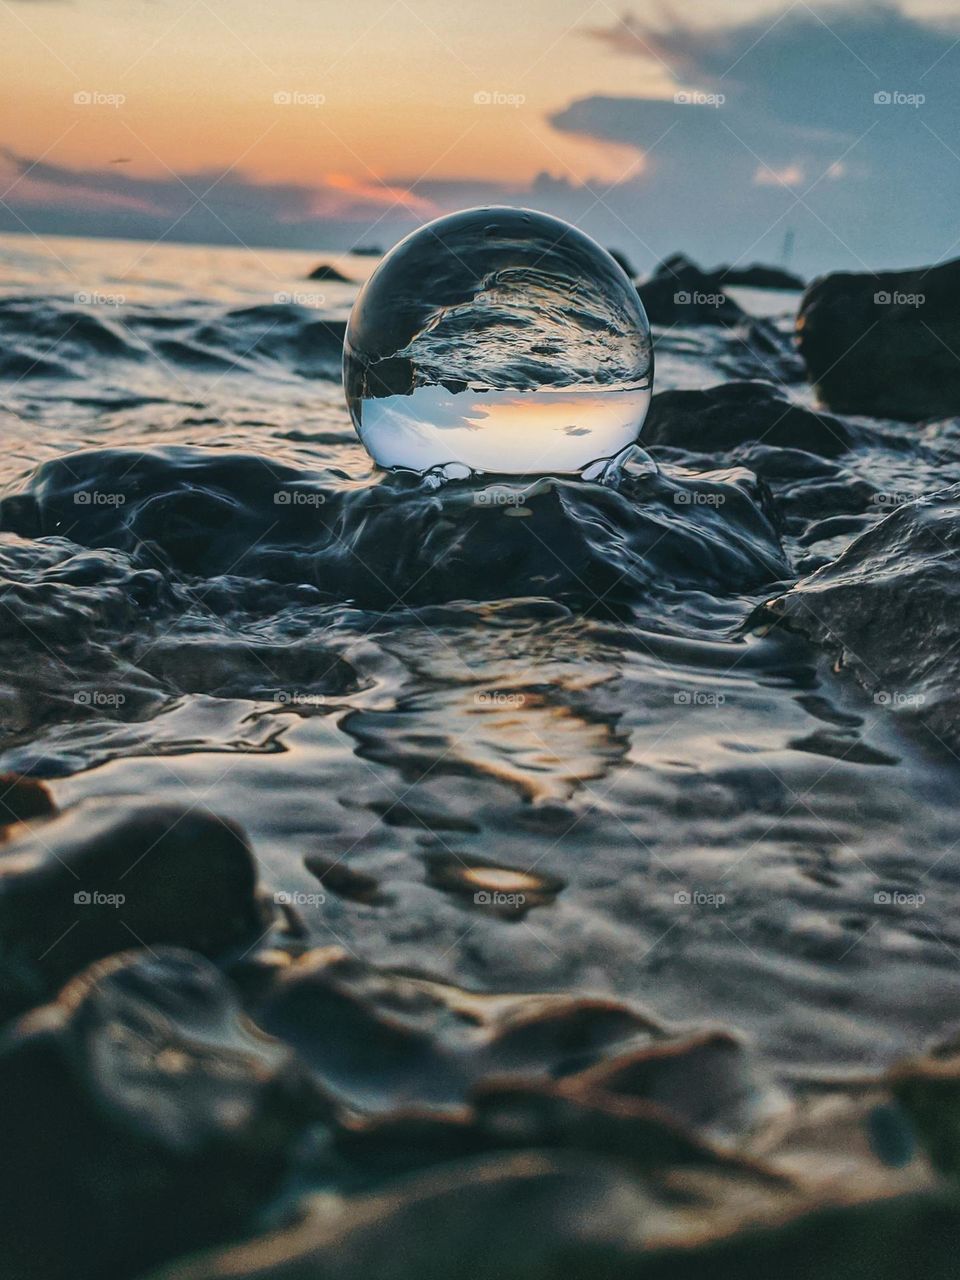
point(853, 108)
point(207, 207)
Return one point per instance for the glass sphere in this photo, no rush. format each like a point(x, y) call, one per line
point(498, 340)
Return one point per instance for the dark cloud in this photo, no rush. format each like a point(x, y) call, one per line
point(210, 208)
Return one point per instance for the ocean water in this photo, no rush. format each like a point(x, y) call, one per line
point(474, 694)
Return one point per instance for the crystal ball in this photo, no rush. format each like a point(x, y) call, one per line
point(499, 340)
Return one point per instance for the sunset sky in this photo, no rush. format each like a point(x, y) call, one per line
point(317, 124)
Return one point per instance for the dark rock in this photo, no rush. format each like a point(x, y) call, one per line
point(888, 609)
point(101, 878)
point(679, 292)
point(885, 344)
point(529, 1217)
point(22, 799)
point(147, 1118)
point(623, 261)
point(758, 276)
point(346, 882)
point(367, 251)
point(375, 1038)
point(326, 272)
point(735, 413)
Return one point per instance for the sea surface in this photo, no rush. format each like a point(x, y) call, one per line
point(540, 720)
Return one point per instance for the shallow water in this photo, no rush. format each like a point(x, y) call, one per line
point(210, 595)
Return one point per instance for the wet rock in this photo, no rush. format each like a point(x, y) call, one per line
point(378, 1039)
point(100, 878)
point(623, 261)
point(759, 276)
point(679, 292)
point(210, 512)
point(735, 413)
point(529, 1217)
point(345, 881)
point(706, 1081)
point(148, 1118)
point(22, 799)
point(884, 344)
point(887, 610)
point(324, 271)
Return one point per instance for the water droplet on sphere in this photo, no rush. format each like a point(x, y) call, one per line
point(499, 340)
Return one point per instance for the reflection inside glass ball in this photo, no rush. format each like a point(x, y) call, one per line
point(499, 340)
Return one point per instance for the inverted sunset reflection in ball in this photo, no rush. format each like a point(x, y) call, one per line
point(499, 340)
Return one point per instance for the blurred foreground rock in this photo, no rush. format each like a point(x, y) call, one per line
point(100, 879)
point(141, 1116)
